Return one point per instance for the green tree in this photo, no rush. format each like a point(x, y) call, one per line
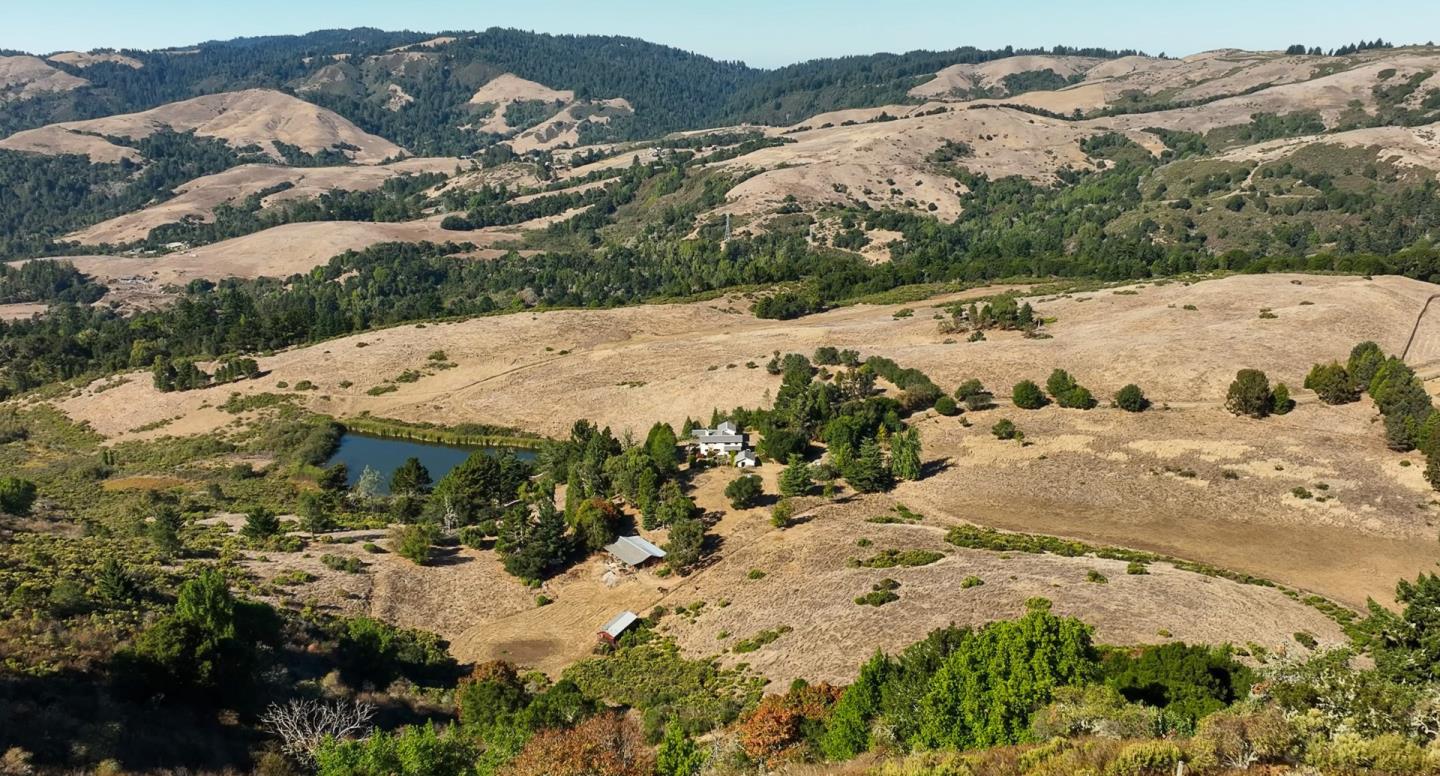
point(782, 513)
point(1280, 400)
point(410, 478)
point(595, 522)
point(335, 478)
point(531, 539)
point(744, 491)
point(674, 504)
point(1250, 394)
point(677, 755)
point(313, 508)
point(1027, 395)
point(17, 496)
point(163, 529)
point(946, 406)
point(414, 542)
point(847, 729)
point(1365, 360)
point(260, 523)
point(662, 446)
point(1406, 646)
point(1332, 383)
point(797, 478)
point(477, 487)
point(868, 471)
point(905, 454)
point(687, 542)
point(986, 690)
point(1131, 399)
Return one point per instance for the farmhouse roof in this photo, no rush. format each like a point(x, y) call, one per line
point(720, 439)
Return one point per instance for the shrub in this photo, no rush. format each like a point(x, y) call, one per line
point(343, 563)
point(17, 496)
point(974, 395)
point(260, 523)
point(1027, 396)
point(1146, 758)
point(1240, 735)
point(1250, 394)
point(1131, 399)
point(1136, 567)
point(1091, 575)
point(946, 406)
point(1332, 384)
point(971, 581)
point(1281, 403)
point(414, 542)
point(782, 513)
point(744, 491)
point(1005, 429)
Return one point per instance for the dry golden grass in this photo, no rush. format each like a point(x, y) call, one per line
point(1154, 481)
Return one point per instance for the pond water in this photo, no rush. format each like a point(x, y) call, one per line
point(385, 454)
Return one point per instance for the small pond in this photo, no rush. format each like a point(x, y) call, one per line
point(385, 454)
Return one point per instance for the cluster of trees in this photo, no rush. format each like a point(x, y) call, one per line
point(183, 375)
point(866, 441)
point(1250, 394)
point(50, 196)
point(397, 199)
point(47, 281)
point(1063, 390)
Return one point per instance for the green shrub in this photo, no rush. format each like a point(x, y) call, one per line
point(1146, 758)
point(1250, 394)
point(343, 563)
point(1005, 429)
point(946, 406)
point(17, 496)
point(414, 542)
point(1131, 399)
point(1026, 395)
point(971, 581)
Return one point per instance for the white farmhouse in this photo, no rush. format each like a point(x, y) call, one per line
point(721, 440)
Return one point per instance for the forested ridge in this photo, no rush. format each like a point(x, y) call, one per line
point(671, 89)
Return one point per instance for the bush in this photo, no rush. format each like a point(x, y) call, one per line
point(1146, 758)
point(744, 491)
point(782, 513)
point(1005, 429)
point(1280, 401)
point(1332, 383)
point(1250, 394)
point(946, 406)
point(1131, 399)
point(1068, 393)
point(1239, 735)
point(974, 395)
point(17, 496)
point(1027, 396)
point(414, 542)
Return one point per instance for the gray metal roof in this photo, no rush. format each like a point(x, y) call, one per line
point(633, 550)
point(720, 439)
point(619, 624)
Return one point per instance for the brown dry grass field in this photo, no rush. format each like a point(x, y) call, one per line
point(1186, 479)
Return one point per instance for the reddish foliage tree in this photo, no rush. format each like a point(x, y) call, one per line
point(604, 745)
point(775, 731)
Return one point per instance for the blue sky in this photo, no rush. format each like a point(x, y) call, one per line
point(764, 34)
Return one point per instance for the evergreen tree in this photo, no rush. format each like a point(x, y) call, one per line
point(986, 690)
point(868, 471)
point(687, 542)
point(797, 478)
point(905, 454)
point(531, 539)
point(677, 755)
point(847, 730)
point(662, 446)
point(410, 478)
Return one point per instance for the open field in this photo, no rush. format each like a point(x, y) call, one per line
point(1103, 476)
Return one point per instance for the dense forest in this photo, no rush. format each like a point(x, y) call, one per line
point(670, 89)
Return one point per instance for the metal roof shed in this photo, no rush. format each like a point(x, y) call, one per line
point(617, 626)
point(634, 551)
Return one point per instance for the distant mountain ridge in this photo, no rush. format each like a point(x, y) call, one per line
point(416, 95)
